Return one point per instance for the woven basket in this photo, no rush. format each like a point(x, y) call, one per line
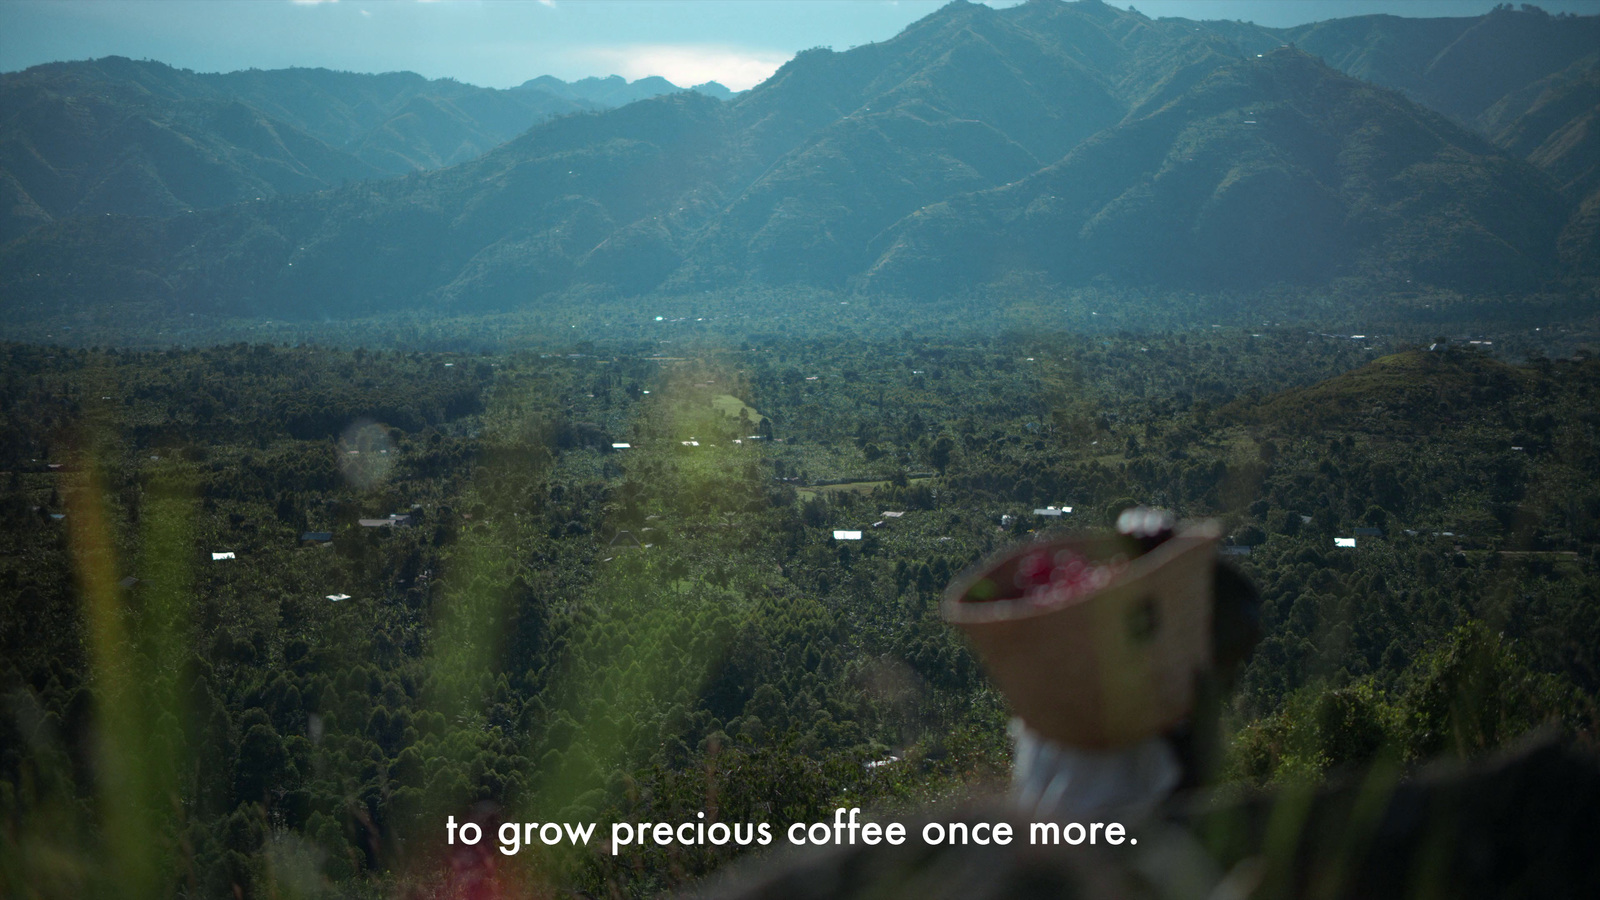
point(1105, 669)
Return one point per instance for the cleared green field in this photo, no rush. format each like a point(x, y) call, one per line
point(854, 487)
point(729, 405)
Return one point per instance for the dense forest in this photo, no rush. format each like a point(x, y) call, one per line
point(272, 613)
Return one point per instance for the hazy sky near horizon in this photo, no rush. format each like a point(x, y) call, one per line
point(501, 43)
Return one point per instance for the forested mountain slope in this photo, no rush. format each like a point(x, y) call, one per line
point(1527, 80)
point(1459, 66)
point(115, 135)
point(1270, 169)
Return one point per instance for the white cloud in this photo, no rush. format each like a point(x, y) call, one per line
point(366, 14)
point(685, 65)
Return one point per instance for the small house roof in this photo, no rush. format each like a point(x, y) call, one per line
point(337, 597)
point(1348, 543)
point(322, 536)
point(847, 535)
point(224, 554)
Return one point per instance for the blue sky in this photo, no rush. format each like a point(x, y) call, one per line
point(500, 43)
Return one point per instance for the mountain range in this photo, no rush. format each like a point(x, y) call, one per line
point(141, 138)
point(1049, 143)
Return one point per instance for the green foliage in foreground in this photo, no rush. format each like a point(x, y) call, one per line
point(568, 632)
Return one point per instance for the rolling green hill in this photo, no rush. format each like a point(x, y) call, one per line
point(1414, 392)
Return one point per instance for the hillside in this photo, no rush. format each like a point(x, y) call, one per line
point(130, 138)
point(1528, 81)
point(1461, 67)
point(1271, 169)
point(1410, 393)
point(140, 138)
point(1555, 124)
point(1068, 142)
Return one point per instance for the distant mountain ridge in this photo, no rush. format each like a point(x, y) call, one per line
point(142, 138)
point(614, 90)
point(1043, 144)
